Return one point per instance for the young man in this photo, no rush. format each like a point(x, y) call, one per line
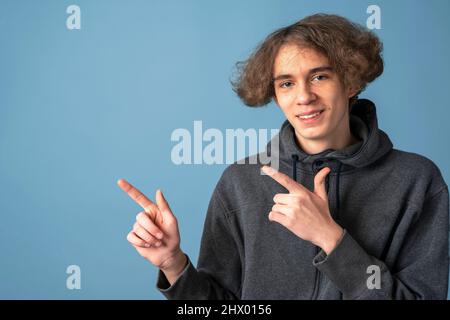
point(346, 216)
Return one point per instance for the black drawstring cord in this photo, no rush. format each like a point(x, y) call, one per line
point(294, 166)
point(338, 202)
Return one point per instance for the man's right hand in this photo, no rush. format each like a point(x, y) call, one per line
point(155, 234)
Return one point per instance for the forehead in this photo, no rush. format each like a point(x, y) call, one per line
point(292, 59)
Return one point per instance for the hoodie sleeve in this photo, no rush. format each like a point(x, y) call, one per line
point(218, 272)
point(424, 260)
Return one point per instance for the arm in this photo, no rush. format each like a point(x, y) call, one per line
point(218, 272)
point(421, 271)
point(156, 237)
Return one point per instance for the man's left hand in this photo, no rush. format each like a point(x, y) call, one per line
point(303, 212)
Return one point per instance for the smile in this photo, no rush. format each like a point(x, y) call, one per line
point(312, 117)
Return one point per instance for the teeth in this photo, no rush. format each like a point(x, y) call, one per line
point(310, 116)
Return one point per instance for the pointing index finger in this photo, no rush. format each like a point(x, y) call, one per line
point(136, 195)
point(284, 180)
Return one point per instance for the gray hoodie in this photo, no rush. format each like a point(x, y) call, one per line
point(393, 206)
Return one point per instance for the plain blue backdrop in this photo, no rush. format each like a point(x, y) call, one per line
point(81, 108)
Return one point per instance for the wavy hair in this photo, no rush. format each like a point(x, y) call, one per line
point(352, 50)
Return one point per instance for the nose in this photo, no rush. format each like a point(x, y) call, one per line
point(304, 94)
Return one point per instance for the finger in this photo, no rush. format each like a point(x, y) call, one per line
point(319, 183)
point(144, 235)
point(284, 180)
point(279, 217)
point(136, 241)
point(283, 209)
point(136, 195)
point(145, 222)
point(163, 205)
point(286, 198)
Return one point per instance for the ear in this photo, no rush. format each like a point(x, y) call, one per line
point(351, 92)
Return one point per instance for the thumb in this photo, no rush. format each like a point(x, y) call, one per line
point(319, 183)
point(163, 205)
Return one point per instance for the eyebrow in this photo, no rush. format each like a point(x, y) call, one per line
point(313, 70)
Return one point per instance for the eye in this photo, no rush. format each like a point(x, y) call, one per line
point(286, 84)
point(319, 77)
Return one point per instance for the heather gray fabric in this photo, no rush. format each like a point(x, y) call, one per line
point(393, 206)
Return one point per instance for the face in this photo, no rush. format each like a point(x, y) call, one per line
point(305, 83)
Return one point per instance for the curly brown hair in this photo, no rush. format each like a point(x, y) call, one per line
point(352, 50)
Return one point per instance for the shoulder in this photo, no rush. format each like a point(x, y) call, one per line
point(418, 169)
point(414, 162)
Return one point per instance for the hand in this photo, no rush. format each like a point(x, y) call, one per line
point(303, 212)
point(155, 234)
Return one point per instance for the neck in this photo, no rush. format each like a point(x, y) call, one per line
point(336, 142)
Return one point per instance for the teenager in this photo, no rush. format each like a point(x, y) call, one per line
point(345, 216)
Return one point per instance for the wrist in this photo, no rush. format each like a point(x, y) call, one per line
point(173, 267)
point(333, 237)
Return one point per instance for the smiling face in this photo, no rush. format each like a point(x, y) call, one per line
point(306, 84)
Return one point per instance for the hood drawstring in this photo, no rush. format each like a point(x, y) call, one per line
point(338, 202)
point(294, 166)
point(319, 162)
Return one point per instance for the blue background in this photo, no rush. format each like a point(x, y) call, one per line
point(81, 108)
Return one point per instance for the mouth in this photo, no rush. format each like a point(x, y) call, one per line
point(311, 118)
